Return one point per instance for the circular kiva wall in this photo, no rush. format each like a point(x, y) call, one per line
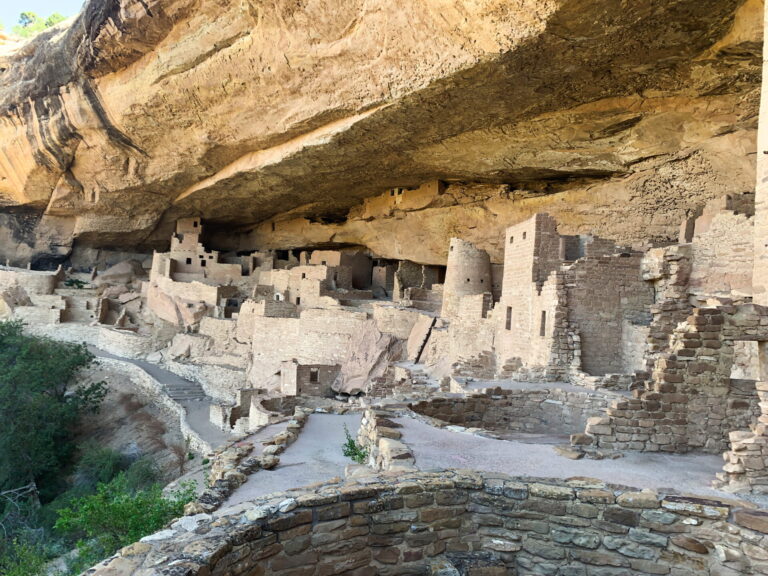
point(538, 411)
point(422, 523)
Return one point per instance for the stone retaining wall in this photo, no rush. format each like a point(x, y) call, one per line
point(157, 394)
point(550, 410)
point(118, 342)
point(427, 523)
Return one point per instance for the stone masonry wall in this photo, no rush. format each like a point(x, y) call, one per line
point(608, 305)
point(380, 437)
point(723, 255)
point(538, 411)
point(687, 403)
point(488, 524)
point(316, 337)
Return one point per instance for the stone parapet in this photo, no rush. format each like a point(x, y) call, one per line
point(406, 522)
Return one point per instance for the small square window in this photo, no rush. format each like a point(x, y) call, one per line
point(303, 275)
point(189, 260)
point(314, 375)
point(511, 239)
point(194, 224)
point(324, 263)
point(524, 235)
point(202, 263)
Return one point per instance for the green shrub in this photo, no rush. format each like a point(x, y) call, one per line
point(98, 465)
point(38, 412)
point(23, 558)
point(351, 449)
point(142, 474)
point(116, 516)
point(74, 283)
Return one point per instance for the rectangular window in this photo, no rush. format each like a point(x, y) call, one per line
point(189, 260)
point(202, 263)
point(314, 375)
point(509, 317)
point(543, 326)
point(298, 300)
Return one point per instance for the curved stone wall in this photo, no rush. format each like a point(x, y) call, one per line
point(538, 411)
point(468, 273)
point(418, 523)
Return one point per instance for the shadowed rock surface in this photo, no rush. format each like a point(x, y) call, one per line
point(141, 112)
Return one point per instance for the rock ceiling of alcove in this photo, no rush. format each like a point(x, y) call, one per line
point(131, 117)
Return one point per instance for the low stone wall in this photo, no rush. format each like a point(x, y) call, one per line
point(220, 382)
point(231, 466)
point(538, 411)
point(432, 523)
point(380, 437)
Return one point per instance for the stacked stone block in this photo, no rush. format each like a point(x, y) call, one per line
point(488, 524)
point(380, 437)
point(746, 463)
point(685, 404)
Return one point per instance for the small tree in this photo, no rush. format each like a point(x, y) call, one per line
point(54, 19)
point(27, 19)
point(38, 412)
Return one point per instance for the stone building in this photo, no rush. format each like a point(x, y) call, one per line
point(307, 379)
point(468, 273)
point(570, 304)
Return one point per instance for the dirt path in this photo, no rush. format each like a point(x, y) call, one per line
point(315, 457)
point(436, 448)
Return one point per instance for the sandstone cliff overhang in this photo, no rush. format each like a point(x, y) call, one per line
point(142, 111)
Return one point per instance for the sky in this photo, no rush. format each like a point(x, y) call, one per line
point(10, 9)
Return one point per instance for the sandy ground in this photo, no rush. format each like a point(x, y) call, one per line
point(315, 457)
point(436, 448)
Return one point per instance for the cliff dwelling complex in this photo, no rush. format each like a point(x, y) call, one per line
point(518, 250)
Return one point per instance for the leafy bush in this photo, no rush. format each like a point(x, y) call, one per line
point(116, 516)
point(351, 449)
point(142, 474)
point(98, 465)
point(74, 283)
point(23, 558)
point(38, 412)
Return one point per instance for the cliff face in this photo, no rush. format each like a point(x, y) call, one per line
point(621, 117)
